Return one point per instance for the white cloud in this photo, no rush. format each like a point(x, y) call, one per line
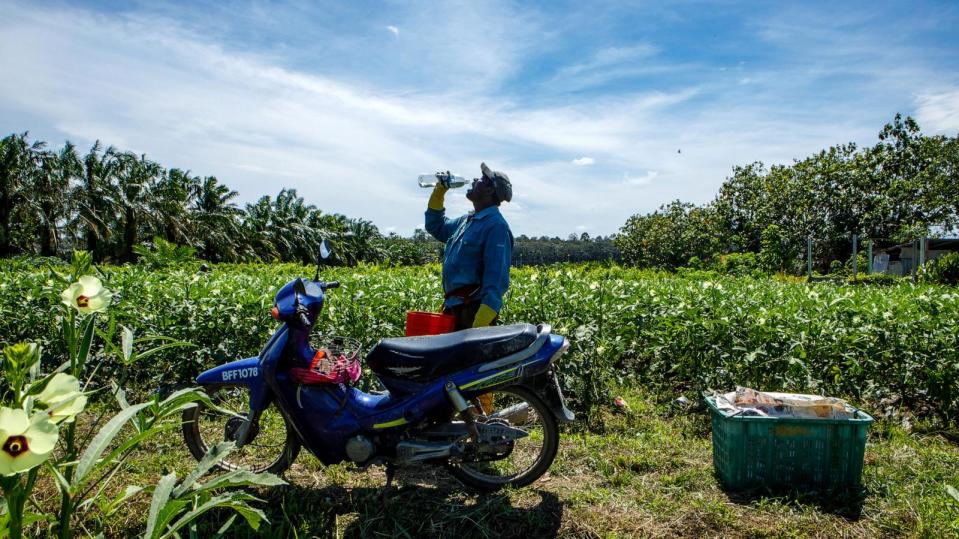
point(393, 30)
point(939, 112)
point(355, 147)
point(612, 63)
point(148, 87)
point(645, 179)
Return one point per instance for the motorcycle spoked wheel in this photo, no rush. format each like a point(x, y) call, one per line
point(271, 444)
point(527, 459)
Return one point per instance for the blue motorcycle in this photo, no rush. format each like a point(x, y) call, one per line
point(431, 413)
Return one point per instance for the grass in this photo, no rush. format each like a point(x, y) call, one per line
point(647, 474)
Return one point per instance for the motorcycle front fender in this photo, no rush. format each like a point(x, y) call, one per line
point(547, 387)
point(244, 372)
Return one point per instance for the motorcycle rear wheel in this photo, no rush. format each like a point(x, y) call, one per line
point(529, 457)
point(271, 445)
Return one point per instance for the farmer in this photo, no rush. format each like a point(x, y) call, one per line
point(479, 247)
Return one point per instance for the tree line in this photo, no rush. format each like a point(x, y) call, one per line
point(109, 202)
point(529, 251)
point(904, 187)
point(121, 207)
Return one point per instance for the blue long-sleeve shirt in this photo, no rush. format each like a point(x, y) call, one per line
point(479, 248)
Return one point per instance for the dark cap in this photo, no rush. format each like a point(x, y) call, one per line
point(504, 189)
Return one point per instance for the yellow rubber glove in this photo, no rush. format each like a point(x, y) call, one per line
point(486, 403)
point(436, 199)
point(484, 316)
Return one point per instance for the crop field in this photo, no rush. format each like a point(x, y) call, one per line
point(645, 336)
point(674, 334)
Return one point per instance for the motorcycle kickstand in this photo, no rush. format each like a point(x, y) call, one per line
point(390, 472)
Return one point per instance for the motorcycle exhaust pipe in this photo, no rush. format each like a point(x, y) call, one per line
point(518, 414)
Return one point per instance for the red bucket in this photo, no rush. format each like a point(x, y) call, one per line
point(423, 323)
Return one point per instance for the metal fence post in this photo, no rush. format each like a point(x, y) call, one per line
point(869, 257)
point(809, 256)
point(855, 256)
point(916, 245)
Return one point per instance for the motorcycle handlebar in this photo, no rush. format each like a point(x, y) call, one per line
point(331, 284)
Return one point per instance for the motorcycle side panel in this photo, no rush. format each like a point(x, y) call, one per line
point(535, 373)
point(328, 415)
point(472, 383)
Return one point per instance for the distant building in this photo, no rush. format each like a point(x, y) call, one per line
point(900, 259)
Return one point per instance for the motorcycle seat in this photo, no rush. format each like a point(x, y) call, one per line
point(429, 357)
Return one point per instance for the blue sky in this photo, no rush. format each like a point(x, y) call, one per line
point(596, 111)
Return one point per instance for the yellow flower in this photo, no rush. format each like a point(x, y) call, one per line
point(63, 398)
point(87, 295)
point(24, 442)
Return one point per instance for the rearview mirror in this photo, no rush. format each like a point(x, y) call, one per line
point(324, 253)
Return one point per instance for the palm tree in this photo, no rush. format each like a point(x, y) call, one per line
point(291, 216)
point(50, 201)
point(107, 200)
point(259, 234)
point(19, 163)
point(135, 178)
point(283, 228)
point(95, 200)
point(362, 242)
point(216, 220)
point(172, 196)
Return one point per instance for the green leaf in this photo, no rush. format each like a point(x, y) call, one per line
point(84, 351)
point(161, 495)
point(104, 438)
point(168, 513)
point(214, 455)
point(120, 395)
point(162, 347)
point(68, 331)
point(232, 500)
point(120, 450)
point(226, 526)
point(61, 480)
point(237, 478)
point(129, 492)
point(951, 490)
point(182, 399)
point(126, 343)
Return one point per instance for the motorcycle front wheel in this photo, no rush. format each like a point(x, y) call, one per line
point(529, 457)
point(271, 444)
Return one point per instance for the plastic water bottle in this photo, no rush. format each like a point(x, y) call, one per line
point(430, 180)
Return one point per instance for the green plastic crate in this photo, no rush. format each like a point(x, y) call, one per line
point(775, 452)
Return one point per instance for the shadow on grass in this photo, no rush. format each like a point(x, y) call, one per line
point(444, 510)
point(846, 503)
